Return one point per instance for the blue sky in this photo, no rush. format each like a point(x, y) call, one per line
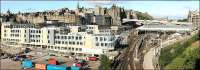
point(171, 9)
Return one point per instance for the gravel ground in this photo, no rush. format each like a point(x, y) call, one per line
point(94, 65)
point(7, 64)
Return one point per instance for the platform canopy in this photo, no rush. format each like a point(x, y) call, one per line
point(165, 27)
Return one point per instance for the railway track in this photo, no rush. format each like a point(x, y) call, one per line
point(132, 57)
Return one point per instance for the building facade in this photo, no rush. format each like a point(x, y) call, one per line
point(115, 12)
point(194, 17)
point(67, 39)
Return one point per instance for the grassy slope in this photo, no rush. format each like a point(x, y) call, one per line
point(187, 59)
point(180, 55)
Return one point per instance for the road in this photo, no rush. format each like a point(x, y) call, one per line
point(148, 59)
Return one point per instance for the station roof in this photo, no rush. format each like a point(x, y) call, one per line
point(165, 27)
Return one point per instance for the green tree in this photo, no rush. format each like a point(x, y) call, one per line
point(143, 16)
point(182, 20)
point(105, 63)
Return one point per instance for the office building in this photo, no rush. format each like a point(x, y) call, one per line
point(87, 39)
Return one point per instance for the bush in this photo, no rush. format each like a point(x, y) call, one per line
point(177, 63)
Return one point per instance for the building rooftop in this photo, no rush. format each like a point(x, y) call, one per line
point(166, 27)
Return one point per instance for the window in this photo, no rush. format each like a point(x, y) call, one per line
point(65, 48)
point(56, 31)
point(48, 41)
point(70, 43)
point(65, 37)
point(72, 49)
point(76, 49)
point(33, 31)
point(66, 42)
point(77, 43)
point(81, 43)
point(69, 37)
point(72, 37)
point(58, 42)
point(110, 44)
point(101, 44)
point(73, 43)
point(96, 38)
point(63, 42)
point(101, 38)
point(97, 44)
point(80, 38)
point(111, 39)
point(106, 44)
point(76, 38)
point(104, 39)
point(48, 31)
point(80, 49)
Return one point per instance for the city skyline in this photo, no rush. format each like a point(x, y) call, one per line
point(170, 9)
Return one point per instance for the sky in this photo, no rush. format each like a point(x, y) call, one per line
point(170, 9)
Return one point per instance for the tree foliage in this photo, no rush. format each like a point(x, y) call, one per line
point(105, 63)
point(143, 16)
point(182, 20)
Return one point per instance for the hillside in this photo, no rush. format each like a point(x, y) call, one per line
point(143, 16)
point(181, 55)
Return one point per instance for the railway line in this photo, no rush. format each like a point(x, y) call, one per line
point(132, 57)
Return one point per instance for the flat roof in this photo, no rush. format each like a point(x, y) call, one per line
point(165, 27)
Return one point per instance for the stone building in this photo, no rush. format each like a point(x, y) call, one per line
point(130, 14)
point(114, 12)
point(39, 17)
point(98, 10)
point(194, 17)
point(102, 20)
